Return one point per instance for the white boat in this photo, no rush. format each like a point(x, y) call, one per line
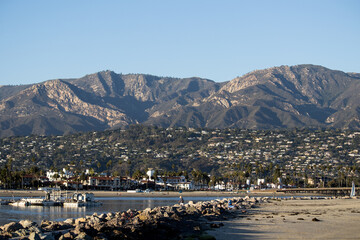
point(40, 201)
point(35, 202)
point(81, 200)
point(21, 203)
point(352, 193)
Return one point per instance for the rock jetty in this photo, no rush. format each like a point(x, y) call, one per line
point(188, 221)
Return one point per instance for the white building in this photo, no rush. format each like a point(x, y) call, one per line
point(177, 182)
point(260, 181)
point(51, 175)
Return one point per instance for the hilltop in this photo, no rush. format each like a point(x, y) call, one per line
point(278, 97)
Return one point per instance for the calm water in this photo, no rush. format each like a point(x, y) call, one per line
point(114, 204)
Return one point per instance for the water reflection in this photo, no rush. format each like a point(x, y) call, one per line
point(38, 213)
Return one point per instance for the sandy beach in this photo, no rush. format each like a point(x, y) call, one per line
point(295, 219)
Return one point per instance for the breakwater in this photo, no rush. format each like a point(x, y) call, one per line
point(166, 222)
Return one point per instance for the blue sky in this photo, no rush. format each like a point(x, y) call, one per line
point(218, 40)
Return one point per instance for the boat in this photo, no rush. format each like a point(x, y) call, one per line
point(24, 202)
point(40, 201)
point(82, 200)
point(352, 193)
point(21, 203)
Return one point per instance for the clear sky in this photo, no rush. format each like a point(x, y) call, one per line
point(218, 40)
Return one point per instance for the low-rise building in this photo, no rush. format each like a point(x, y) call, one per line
point(104, 183)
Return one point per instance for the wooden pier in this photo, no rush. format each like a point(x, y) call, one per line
point(341, 191)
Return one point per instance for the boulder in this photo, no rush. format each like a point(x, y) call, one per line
point(95, 220)
point(21, 233)
point(80, 227)
point(175, 217)
point(35, 228)
point(80, 220)
point(27, 223)
point(12, 227)
point(83, 236)
point(68, 235)
point(144, 216)
point(135, 221)
point(70, 221)
point(54, 226)
point(192, 210)
point(5, 235)
point(34, 236)
point(49, 237)
point(115, 222)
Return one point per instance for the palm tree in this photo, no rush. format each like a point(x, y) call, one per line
point(108, 166)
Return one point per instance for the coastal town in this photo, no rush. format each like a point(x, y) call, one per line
point(179, 120)
point(143, 157)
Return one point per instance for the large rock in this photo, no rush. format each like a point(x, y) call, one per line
point(54, 226)
point(34, 236)
point(80, 220)
point(12, 227)
point(49, 237)
point(66, 236)
point(192, 210)
point(83, 236)
point(27, 223)
point(69, 221)
point(21, 233)
point(145, 215)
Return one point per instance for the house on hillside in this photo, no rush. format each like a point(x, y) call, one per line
point(73, 185)
point(175, 182)
point(104, 183)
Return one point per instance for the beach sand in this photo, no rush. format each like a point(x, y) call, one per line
point(295, 219)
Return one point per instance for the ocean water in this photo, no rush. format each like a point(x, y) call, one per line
point(114, 204)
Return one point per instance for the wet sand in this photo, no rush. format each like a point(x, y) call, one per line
point(295, 219)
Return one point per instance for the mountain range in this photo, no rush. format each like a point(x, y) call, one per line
point(279, 97)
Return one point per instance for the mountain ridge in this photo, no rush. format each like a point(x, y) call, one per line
point(278, 97)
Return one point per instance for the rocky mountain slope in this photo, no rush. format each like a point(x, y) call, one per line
point(279, 97)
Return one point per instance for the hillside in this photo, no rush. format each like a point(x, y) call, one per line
point(235, 154)
point(278, 97)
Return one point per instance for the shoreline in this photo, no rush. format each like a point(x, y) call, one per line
point(268, 193)
point(256, 217)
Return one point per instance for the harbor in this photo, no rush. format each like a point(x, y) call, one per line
point(55, 198)
point(112, 203)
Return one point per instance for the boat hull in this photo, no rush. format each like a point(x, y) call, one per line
point(81, 204)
